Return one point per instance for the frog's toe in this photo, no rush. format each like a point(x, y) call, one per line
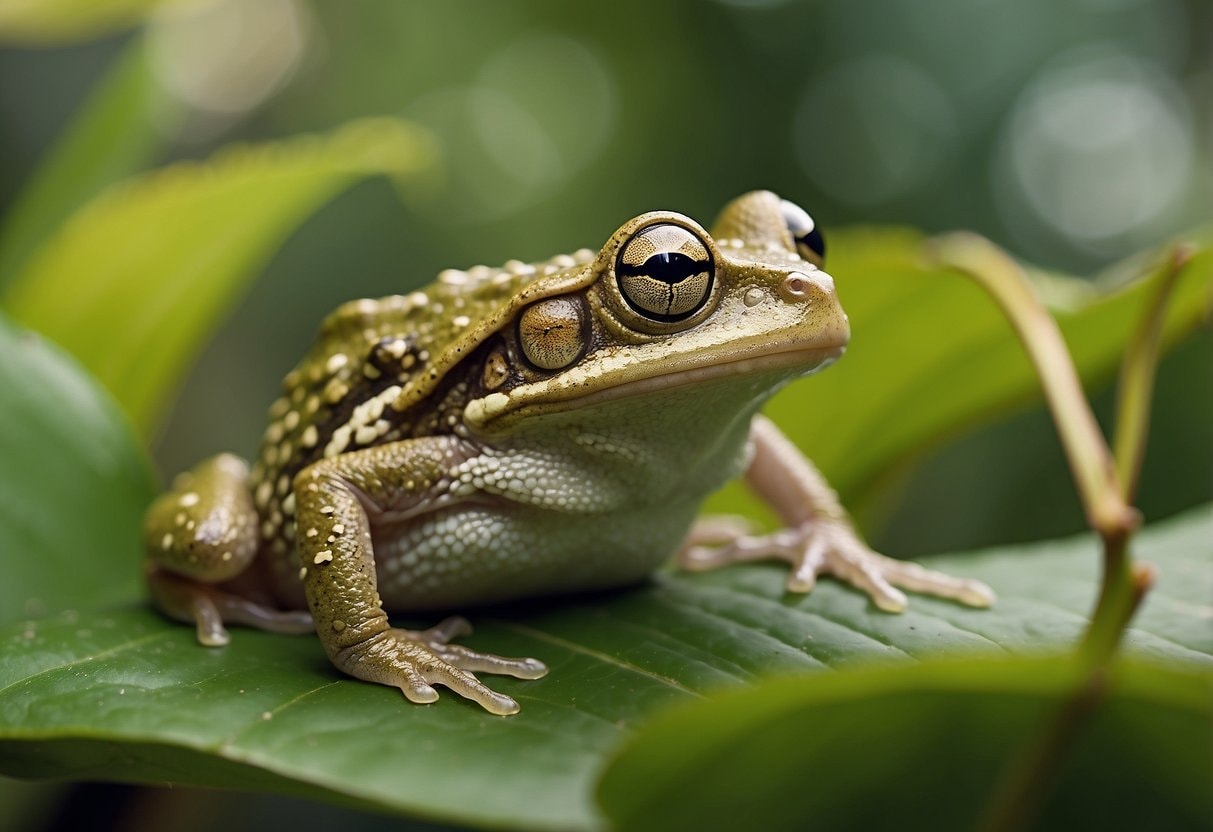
point(469, 687)
point(184, 600)
point(826, 546)
point(854, 563)
point(438, 639)
point(414, 686)
point(399, 659)
point(739, 549)
point(918, 578)
point(716, 530)
point(208, 622)
point(209, 608)
point(467, 659)
point(237, 610)
point(847, 557)
point(443, 632)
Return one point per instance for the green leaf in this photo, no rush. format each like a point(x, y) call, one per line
point(125, 695)
point(138, 278)
point(125, 123)
point(919, 747)
point(930, 355)
point(73, 484)
point(50, 22)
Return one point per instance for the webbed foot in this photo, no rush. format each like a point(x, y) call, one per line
point(416, 660)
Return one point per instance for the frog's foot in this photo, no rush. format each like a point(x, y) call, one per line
point(416, 660)
point(827, 546)
point(716, 530)
point(208, 608)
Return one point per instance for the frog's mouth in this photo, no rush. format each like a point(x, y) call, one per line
point(805, 361)
point(557, 395)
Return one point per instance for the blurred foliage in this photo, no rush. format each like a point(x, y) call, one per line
point(121, 130)
point(648, 115)
point(696, 768)
point(137, 279)
point(50, 22)
point(1074, 133)
point(65, 444)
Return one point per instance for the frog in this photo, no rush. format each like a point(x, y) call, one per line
point(535, 429)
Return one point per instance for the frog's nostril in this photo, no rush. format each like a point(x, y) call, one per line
point(796, 287)
point(799, 287)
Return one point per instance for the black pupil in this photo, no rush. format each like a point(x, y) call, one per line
point(668, 266)
point(815, 242)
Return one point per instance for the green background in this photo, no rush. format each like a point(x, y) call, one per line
point(1021, 121)
point(1035, 123)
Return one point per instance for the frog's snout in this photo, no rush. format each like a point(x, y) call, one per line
point(814, 289)
point(800, 287)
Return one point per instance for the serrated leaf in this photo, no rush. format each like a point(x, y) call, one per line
point(931, 354)
point(138, 278)
point(66, 451)
point(125, 695)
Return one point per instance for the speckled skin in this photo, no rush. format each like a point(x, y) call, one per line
point(507, 433)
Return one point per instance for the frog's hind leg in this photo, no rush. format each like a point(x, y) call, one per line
point(199, 534)
point(819, 538)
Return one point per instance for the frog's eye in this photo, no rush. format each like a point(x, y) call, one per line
point(552, 332)
point(810, 245)
point(665, 272)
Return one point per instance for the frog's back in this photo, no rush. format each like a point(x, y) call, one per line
point(372, 374)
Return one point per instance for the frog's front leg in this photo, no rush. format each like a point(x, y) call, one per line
point(336, 501)
point(819, 538)
point(200, 534)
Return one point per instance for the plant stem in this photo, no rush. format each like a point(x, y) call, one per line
point(1105, 487)
point(1018, 799)
point(1022, 791)
point(1136, 388)
point(1121, 590)
point(1084, 445)
point(1103, 492)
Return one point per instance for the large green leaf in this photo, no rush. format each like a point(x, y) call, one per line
point(124, 695)
point(73, 483)
point(931, 354)
point(922, 747)
point(139, 277)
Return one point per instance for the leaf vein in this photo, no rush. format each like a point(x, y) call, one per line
point(815, 614)
point(228, 742)
point(112, 651)
point(751, 628)
point(596, 654)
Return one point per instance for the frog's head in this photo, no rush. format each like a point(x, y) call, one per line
point(665, 305)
